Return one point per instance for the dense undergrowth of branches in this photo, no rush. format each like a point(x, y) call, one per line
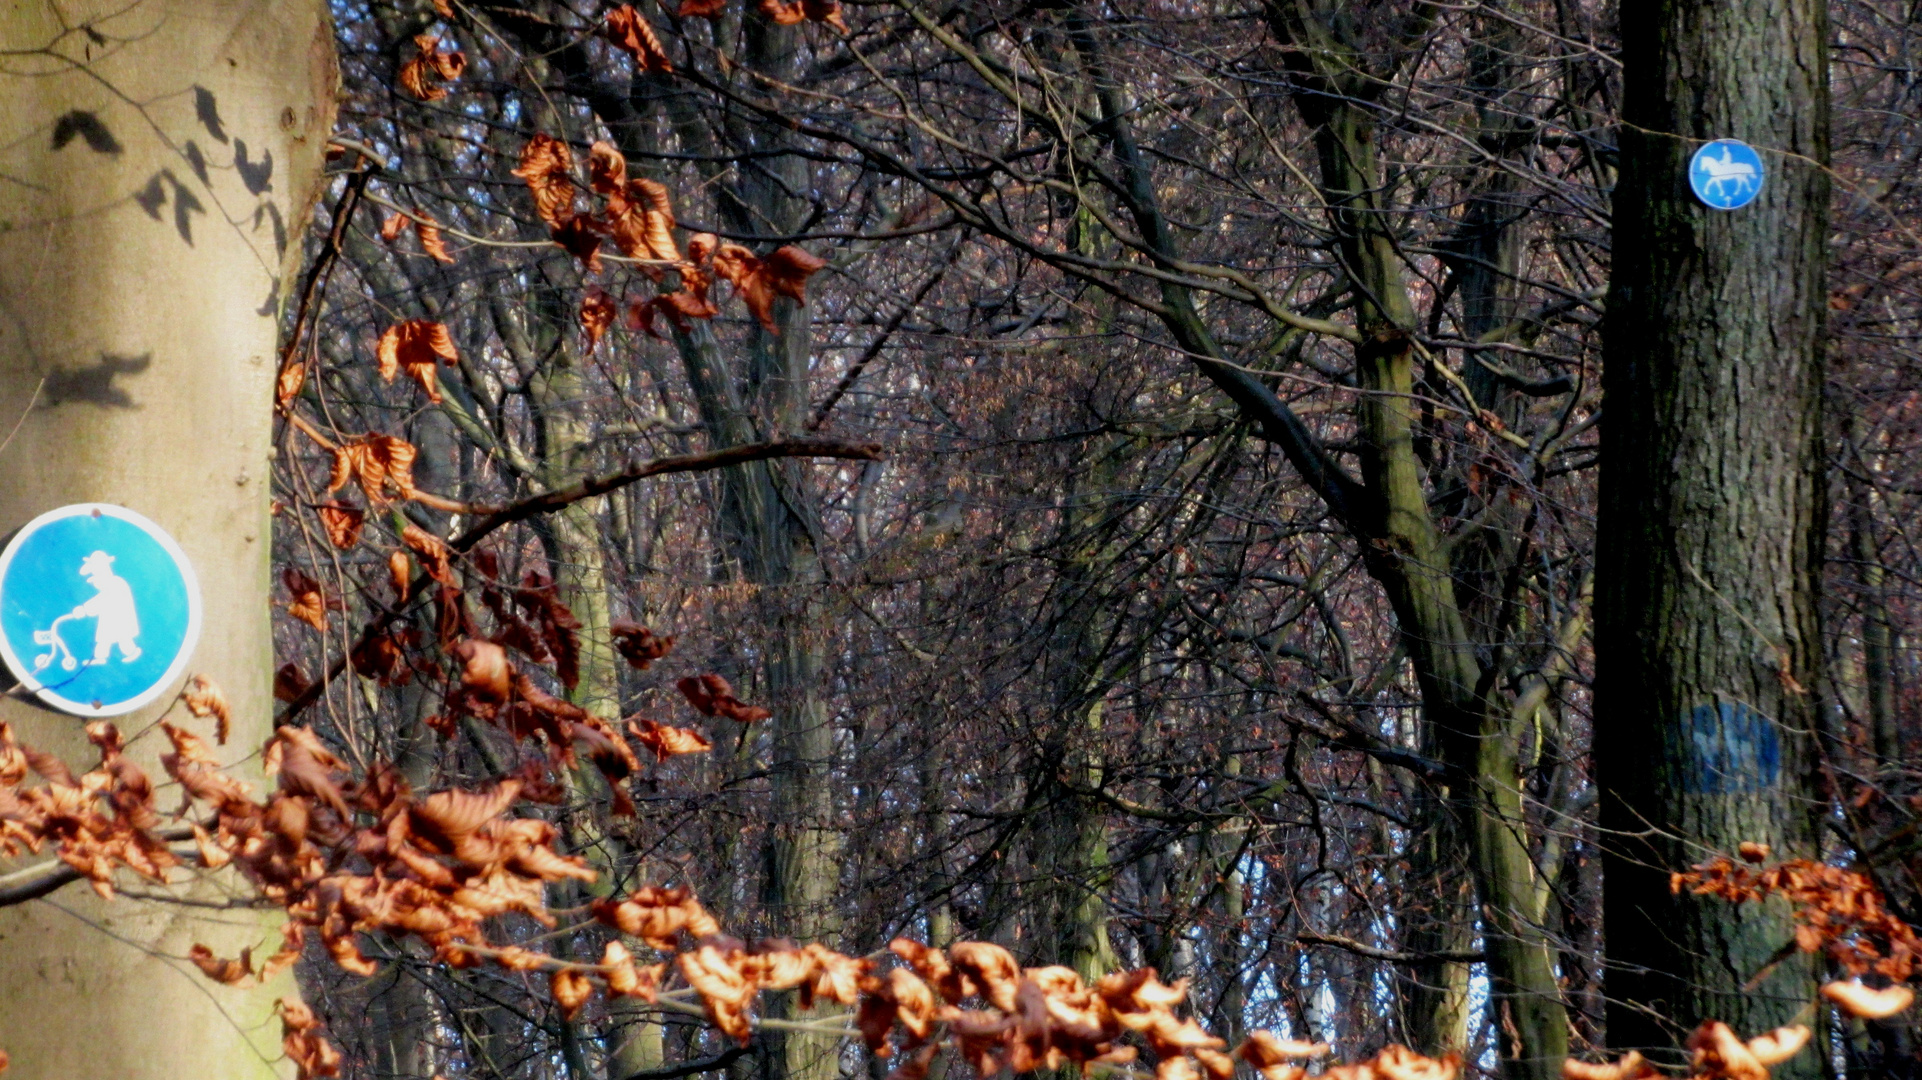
point(853, 377)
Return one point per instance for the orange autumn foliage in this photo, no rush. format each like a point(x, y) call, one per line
point(637, 216)
point(757, 281)
point(597, 314)
point(789, 12)
point(346, 855)
point(638, 645)
point(711, 695)
point(665, 741)
point(546, 166)
point(382, 465)
point(423, 227)
point(416, 346)
point(305, 601)
point(342, 523)
point(1838, 912)
point(203, 697)
point(1859, 1000)
point(312, 1055)
point(632, 35)
point(422, 75)
point(288, 383)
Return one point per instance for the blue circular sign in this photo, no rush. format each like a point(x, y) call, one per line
point(99, 609)
point(1726, 174)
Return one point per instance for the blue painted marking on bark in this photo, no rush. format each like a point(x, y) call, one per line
point(1731, 748)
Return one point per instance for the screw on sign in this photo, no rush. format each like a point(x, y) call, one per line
point(99, 609)
point(1726, 174)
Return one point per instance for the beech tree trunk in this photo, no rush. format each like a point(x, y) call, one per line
point(1710, 538)
point(161, 159)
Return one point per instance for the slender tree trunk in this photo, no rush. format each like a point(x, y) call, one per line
point(1711, 518)
point(766, 522)
point(1439, 910)
point(1878, 671)
point(138, 304)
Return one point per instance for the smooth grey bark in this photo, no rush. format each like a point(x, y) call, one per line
point(1711, 523)
point(144, 294)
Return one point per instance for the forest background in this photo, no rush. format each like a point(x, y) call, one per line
point(1161, 525)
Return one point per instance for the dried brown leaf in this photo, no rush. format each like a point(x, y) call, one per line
point(306, 602)
point(1630, 1066)
point(638, 645)
point(203, 697)
point(571, 990)
point(293, 376)
point(400, 572)
point(422, 75)
point(665, 741)
point(1779, 1045)
point(228, 972)
point(435, 556)
point(597, 314)
point(290, 682)
point(485, 673)
point(1858, 1000)
point(632, 35)
point(546, 166)
point(416, 346)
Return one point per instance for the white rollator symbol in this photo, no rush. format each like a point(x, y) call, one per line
point(116, 624)
point(1725, 172)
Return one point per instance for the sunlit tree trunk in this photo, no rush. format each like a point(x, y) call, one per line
point(139, 295)
point(1711, 518)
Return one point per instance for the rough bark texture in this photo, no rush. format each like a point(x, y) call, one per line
point(1710, 539)
point(138, 297)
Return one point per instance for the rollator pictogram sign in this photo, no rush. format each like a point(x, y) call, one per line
point(99, 609)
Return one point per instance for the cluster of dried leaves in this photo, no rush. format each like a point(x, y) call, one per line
point(974, 997)
point(635, 214)
point(416, 346)
point(423, 75)
point(341, 856)
point(424, 227)
point(1715, 1053)
point(98, 822)
point(382, 465)
point(345, 856)
point(1837, 911)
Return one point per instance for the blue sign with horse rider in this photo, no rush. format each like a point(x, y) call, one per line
point(1726, 174)
point(99, 609)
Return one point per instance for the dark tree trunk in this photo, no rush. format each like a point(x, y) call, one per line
point(1711, 517)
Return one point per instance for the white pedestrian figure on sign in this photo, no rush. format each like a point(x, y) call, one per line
point(1725, 172)
point(111, 607)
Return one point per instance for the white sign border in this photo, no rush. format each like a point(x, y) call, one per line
point(188, 642)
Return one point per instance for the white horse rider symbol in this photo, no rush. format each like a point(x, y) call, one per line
point(116, 625)
point(1725, 172)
